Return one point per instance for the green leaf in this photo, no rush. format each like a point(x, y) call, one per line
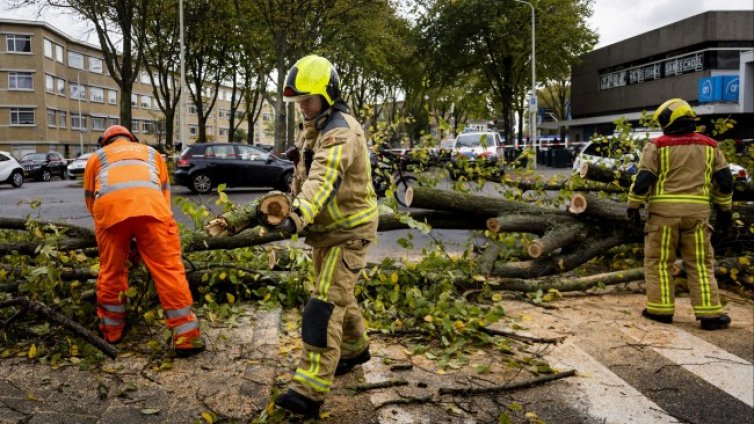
point(150, 411)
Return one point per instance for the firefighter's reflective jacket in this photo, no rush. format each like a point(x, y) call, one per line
point(335, 199)
point(124, 180)
point(680, 175)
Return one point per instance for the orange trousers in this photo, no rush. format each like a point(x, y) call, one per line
point(159, 245)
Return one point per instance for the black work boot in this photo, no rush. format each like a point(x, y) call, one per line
point(714, 323)
point(345, 365)
point(293, 401)
point(196, 345)
point(665, 319)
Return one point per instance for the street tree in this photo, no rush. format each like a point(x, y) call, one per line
point(120, 28)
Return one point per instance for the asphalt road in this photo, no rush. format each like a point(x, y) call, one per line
point(64, 200)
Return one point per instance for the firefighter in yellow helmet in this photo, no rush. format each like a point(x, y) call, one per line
point(680, 174)
point(335, 202)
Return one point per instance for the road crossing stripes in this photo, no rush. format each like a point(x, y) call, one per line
point(602, 394)
point(713, 364)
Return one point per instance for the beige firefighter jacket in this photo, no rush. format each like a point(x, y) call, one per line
point(335, 199)
point(684, 166)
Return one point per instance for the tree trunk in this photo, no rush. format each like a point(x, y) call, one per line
point(558, 237)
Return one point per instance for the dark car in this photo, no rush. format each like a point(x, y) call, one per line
point(43, 166)
point(202, 167)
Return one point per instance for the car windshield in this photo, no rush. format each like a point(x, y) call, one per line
point(474, 140)
point(35, 156)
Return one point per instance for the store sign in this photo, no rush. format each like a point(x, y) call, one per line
point(730, 88)
point(720, 88)
point(693, 62)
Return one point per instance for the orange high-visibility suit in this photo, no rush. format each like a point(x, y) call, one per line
point(127, 192)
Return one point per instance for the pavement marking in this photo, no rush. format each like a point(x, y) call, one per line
point(713, 364)
point(603, 395)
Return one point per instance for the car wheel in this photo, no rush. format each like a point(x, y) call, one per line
point(45, 175)
point(201, 183)
point(63, 175)
point(17, 179)
point(285, 184)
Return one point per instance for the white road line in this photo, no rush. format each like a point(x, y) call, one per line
point(713, 364)
point(600, 393)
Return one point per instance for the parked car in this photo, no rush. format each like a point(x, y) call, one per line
point(607, 155)
point(43, 166)
point(478, 145)
point(613, 157)
point(77, 167)
point(10, 170)
point(203, 167)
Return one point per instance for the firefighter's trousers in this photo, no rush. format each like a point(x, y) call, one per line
point(691, 237)
point(160, 248)
point(332, 325)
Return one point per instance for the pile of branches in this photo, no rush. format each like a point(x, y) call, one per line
point(553, 242)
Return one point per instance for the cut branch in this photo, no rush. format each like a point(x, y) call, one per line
point(554, 239)
point(473, 391)
point(66, 322)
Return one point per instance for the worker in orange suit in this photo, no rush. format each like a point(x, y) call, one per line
point(127, 192)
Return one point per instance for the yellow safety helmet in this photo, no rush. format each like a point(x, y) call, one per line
point(312, 75)
point(675, 116)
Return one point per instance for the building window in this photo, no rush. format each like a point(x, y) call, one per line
point(78, 122)
point(78, 91)
point(210, 130)
point(75, 60)
point(95, 65)
point(20, 81)
point(112, 121)
point(98, 123)
point(22, 116)
point(48, 48)
point(192, 110)
point(193, 130)
point(97, 94)
point(134, 100)
point(18, 43)
point(49, 84)
point(51, 121)
point(146, 102)
point(223, 132)
point(61, 119)
point(135, 126)
point(61, 87)
point(112, 97)
point(59, 53)
point(265, 116)
point(148, 127)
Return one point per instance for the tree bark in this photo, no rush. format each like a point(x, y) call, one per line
point(443, 200)
point(560, 236)
point(601, 174)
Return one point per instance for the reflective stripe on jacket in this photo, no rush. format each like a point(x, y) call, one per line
point(684, 166)
point(124, 180)
point(336, 199)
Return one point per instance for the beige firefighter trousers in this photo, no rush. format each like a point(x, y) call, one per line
point(691, 237)
point(332, 325)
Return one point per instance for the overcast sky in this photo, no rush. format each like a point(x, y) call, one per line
point(614, 20)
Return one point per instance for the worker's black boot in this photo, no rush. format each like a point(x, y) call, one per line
point(665, 319)
point(714, 323)
point(345, 365)
point(299, 404)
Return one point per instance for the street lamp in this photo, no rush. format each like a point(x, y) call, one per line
point(182, 111)
point(81, 128)
point(533, 98)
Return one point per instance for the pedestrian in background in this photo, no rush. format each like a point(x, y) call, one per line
point(680, 174)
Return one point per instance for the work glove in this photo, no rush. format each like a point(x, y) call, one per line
point(293, 155)
point(291, 225)
point(723, 224)
point(133, 254)
point(634, 216)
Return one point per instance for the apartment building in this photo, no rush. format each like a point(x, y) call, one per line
point(56, 94)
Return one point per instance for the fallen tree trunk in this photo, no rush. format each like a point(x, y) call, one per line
point(554, 239)
point(592, 172)
point(451, 201)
